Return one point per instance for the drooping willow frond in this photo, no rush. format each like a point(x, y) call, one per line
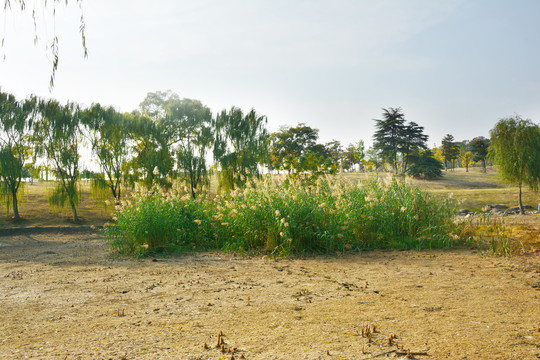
point(54, 47)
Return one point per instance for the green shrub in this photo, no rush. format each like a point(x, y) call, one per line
point(426, 166)
point(287, 218)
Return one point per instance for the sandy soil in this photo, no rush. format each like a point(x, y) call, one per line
point(63, 297)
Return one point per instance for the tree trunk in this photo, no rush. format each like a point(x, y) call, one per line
point(484, 165)
point(74, 210)
point(467, 168)
point(16, 216)
point(192, 183)
point(521, 210)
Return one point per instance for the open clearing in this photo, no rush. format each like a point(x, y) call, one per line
point(63, 297)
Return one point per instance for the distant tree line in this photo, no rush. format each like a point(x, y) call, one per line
point(167, 139)
point(464, 153)
point(171, 139)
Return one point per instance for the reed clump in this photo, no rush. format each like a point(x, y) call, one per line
point(286, 217)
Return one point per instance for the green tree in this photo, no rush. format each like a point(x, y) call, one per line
point(241, 144)
point(59, 136)
point(516, 150)
point(155, 104)
point(109, 140)
point(290, 143)
point(397, 141)
point(354, 155)
point(189, 123)
point(374, 159)
point(480, 149)
point(413, 140)
point(16, 126)
point(450, 151)
point(295, 149)
point(334, 152)
point(424, 165)
point(313, 164)
point(152, 161)
point(154, 137)
point(388, 136)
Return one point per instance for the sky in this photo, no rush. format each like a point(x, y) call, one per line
point(453, 66)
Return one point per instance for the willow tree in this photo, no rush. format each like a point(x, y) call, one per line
point(241, 145)
point(152, 161)
point(59, 136)
point(16, 125)
point(189, 125)
point(47, 8)
point(516, 150)
point(109, 140)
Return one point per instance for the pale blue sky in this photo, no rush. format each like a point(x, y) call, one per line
point(453, 66)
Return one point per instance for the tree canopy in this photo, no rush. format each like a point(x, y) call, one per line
point(190, 125)
point(241, 145)
point(516, 150)
point(16, 127)
point(388, 135)
point(109, 141)
point(480, 148)
point(396, 140)
point(426, 166)
point(58, 135)
point(450, 150)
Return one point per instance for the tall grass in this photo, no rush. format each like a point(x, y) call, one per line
point(491, 235)
point(287, 218)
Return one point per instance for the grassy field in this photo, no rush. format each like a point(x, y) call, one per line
point(472, 189)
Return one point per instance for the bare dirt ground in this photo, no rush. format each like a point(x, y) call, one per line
point(63, 297)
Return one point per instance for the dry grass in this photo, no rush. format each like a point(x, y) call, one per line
point(35, 209)
point(64, 297)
